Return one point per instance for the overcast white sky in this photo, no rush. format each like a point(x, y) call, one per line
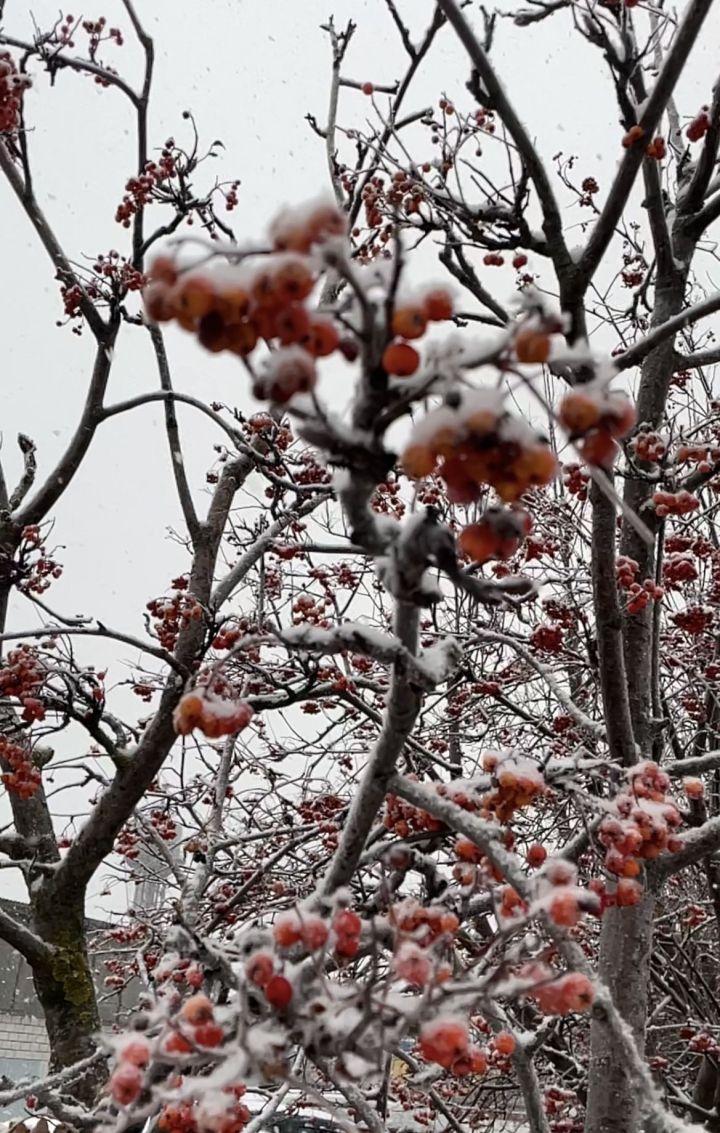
point(249, 70)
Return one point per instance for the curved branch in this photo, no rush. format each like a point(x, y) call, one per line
point(635, 353)
point(648, 120)
point(552, 222)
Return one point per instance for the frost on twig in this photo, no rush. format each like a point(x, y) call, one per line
point(432, 668)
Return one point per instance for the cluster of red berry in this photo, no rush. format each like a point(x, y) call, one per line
point(213, 715)
point(234, 308)
point(547, 639)
point(695, 620)
point(516, 783)
point(643, 825)
point(674, 503)
point(638, 594)
point(22, 779)
point(648, 446)
point(410, 321)
point(403, 818)
point(38, 569)
point(497, 535)
point(446, 1041)
point(564, 995)
point(139, 190)
point(600, 418)
point(679, 567)
point(576, 480)
point(174, 613)
point(479, 444)
point(699, 126)
point(22, 677)
point(13, 85)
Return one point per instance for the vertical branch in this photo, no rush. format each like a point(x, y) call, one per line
point(403, 706)
point(609, 625)
point(142, 133)
point(173, 435)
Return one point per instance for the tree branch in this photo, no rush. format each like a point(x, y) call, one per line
point(35, 951)
point(498, 99)
point(401, 713)
point(635, 353)
point(631, 162)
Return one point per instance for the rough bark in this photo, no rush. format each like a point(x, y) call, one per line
point(625, 944)
point(64, 985)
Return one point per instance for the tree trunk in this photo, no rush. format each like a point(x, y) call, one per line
point(625, 943)
point(66, 990)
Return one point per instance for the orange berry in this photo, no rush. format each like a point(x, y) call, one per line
point(409, 322)
point(628, 892)
point(633, 135)
point(532, 346)
point(479, 541)
point(620, 416)
point(241, 338)
point(418, 461)
point(159, 304)
point(197, 1009)
point(564, 908)
point(292, 324)
point(599, 448)
point(400, 359)
point(322, 337)
point(438, 305)
point(163, 268)
point(195, 296)
point(188, 713)
point(536, 855)
point(693, 788)
point(293, 280)
point(579, 412)
point(278, 992)
point(504, 1043)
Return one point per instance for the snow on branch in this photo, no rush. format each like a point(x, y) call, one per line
point(431, 668)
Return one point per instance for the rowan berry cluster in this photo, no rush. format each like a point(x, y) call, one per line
point(547, 639)
point(497, 535)
point(576, 480)
point(233, 308)
point(479, 444)
point(22, 676)
point(674, 503)
point(142, 189)
point(22, 779)
point(556, 995)
point(37, 569)
point(639, 595)
point(410, 321)
point(446, 1041)
point(679, 567)
point(695, 620)
point(173, 614)
point(648, 446)
point(13, 85)
point(699, 126)
point(403, 818)
point(516, 783)
point(642, 825)
point(600, 418)
point(211, 714)
point(705, 456)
